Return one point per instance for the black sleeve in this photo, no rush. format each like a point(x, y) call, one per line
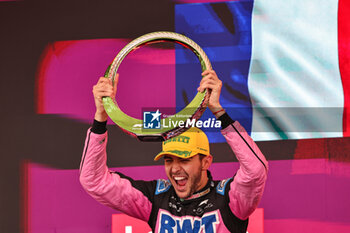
point(99, 127)
point(225, 120)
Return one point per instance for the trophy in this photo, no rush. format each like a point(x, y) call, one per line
point(192, 112)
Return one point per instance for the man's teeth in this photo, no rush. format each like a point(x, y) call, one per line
point(179, 178)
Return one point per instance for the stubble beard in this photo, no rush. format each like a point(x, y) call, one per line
point(195, 183)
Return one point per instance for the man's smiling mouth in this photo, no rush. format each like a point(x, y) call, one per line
point(180, 180)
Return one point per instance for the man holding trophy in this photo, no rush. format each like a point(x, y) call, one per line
point(190, 200)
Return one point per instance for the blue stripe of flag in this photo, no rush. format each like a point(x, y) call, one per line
point(223, 30)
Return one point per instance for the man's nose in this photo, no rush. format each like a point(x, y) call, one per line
point(176, 167)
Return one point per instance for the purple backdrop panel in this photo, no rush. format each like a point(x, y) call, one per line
point(310, 189)
point(310, 193)
point(68, 70)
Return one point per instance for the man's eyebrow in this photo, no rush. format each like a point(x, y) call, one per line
point(166, 157)
point(190, 158)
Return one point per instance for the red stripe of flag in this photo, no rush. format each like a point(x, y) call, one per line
point(344, 59)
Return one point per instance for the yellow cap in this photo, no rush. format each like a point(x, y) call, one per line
point(191, 142)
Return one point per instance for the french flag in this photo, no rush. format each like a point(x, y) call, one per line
point(284, 67)
point(284, 64)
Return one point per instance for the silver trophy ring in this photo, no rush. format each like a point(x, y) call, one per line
point(193, 111)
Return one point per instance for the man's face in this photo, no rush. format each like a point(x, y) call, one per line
point(186, 175)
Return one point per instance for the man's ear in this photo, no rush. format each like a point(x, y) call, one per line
point(206, 162)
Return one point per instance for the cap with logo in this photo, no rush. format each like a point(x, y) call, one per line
point(191, 142)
